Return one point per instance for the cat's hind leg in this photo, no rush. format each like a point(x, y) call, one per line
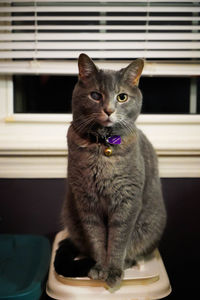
point(145, 238)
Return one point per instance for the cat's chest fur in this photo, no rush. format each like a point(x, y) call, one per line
point(92, 173)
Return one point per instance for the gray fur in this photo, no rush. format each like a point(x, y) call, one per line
point(114, 209)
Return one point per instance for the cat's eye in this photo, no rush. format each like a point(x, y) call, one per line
point(96, 96)
point(122, 97)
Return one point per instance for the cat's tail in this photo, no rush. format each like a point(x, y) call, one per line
point(68, 263)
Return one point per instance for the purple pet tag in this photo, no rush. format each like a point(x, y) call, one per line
point(115, 139)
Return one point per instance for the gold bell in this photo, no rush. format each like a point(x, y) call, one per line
point(108, 151)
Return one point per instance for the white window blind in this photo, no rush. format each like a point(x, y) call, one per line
point(37, 33)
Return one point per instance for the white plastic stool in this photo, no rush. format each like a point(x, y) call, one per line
point(147, 280)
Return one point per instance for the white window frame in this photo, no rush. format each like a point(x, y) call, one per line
point(34, 145)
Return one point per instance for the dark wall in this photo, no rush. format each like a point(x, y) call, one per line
point(33, 206)
point(180, 245)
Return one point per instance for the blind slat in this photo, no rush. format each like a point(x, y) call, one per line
point(101, 27)
point(69, 67)
point(100, 9)
point(95, 54)
point(108, 1)
point(99, 45)
point(101, 18)
point(99, 36)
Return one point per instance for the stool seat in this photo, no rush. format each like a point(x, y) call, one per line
point(146, 280)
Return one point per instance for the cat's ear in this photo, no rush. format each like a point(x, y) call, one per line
point(133, 72)
point(86, 67)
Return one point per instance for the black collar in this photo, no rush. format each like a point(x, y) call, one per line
point(103, 136)
point(106, 139)
point(97, 138)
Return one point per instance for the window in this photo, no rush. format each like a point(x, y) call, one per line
point(52, 94)
point(166, 95)
point(39, 45)
point(43, 94)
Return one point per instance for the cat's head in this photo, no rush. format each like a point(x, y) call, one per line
point(106, 99)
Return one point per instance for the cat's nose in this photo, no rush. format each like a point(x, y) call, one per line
point(109, 110)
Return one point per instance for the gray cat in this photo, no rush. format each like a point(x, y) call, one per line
point(114, 210)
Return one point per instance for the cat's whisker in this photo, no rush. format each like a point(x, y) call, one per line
point(125, 124)
point(128, 126)
point(85, 123)
point(83, 127)
point(85, 120)
point(80, 126)
point(86, 116)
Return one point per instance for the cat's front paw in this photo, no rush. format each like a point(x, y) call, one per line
point(97, 273)
point(111, 276)
point(114, 277)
